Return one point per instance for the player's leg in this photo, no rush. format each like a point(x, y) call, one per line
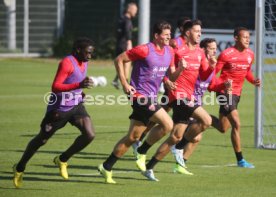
point(164, 149)
point(164, 126)
point(236, 139)
point(204, 121)
point(79, 118)
point(191, 146)
point(235, 133)
point(52, 121)
point(136, 128)
point(82, 121)
point(222, 123)
point(138, 143)
point(151, 125)
point(127, 68)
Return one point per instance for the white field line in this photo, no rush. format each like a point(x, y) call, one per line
point(130, 171)
point(219, 166)
point(113, 172)
point(21, 96)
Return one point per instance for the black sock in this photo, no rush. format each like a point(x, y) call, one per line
point(215, 121)
point(110, 161)
point(20, 168)
point(183, 142)
point(143, 149)
point(142, 137)
point(239, 156)
point(152, 163)
point(63, 157)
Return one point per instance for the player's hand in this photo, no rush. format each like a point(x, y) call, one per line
point(170, 85)
point(257, 82)
point(86, 83)
point(128, 89)
point(182, 64)
point(212, 60)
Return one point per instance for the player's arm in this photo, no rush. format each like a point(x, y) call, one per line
point(136, 53)
point(181, 65)
point(119, 65)
point(65, 69)
point(217, 85)
point(250, 77)
point(206, 67)
point(220, 63)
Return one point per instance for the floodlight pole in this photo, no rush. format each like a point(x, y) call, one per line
point(11, 22)
point(26, 27)
point(259, 29)
point(60, 17)
point(144, 22)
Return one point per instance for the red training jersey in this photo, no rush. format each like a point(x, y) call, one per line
point(235, 65)
point(196, 63)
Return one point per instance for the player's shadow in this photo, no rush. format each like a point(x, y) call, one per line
point(85, 155)
point(76, 133)
point(32, 176)
point(93, 169)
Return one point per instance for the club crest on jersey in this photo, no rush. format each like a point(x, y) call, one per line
point(249, 59)
point(152, 107)
point(199, 58)
point(48, 127)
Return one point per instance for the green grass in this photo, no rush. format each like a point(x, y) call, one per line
point(23, 84)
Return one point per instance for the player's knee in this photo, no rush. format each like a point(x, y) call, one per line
point(168, 126)
point(223, 129)
point(197, 138)
point(90, 136)
point(206, 123)
point(174, 138)
point(237, 125)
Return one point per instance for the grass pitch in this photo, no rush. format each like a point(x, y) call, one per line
point(24, 83)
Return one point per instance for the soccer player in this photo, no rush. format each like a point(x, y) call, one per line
point(175, 43)
point(235, 64)
point(181, 97)
point(210, 47)
point(66, 105)
point(124, 38)
point(151, 61)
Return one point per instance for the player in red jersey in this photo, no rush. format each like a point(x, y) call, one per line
point(235, 64)
point(181, 97)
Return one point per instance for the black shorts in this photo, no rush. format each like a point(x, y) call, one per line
point(182, 111)
point(54, 120)
point(143, 109)
point(164, 101)
point(228, 103)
